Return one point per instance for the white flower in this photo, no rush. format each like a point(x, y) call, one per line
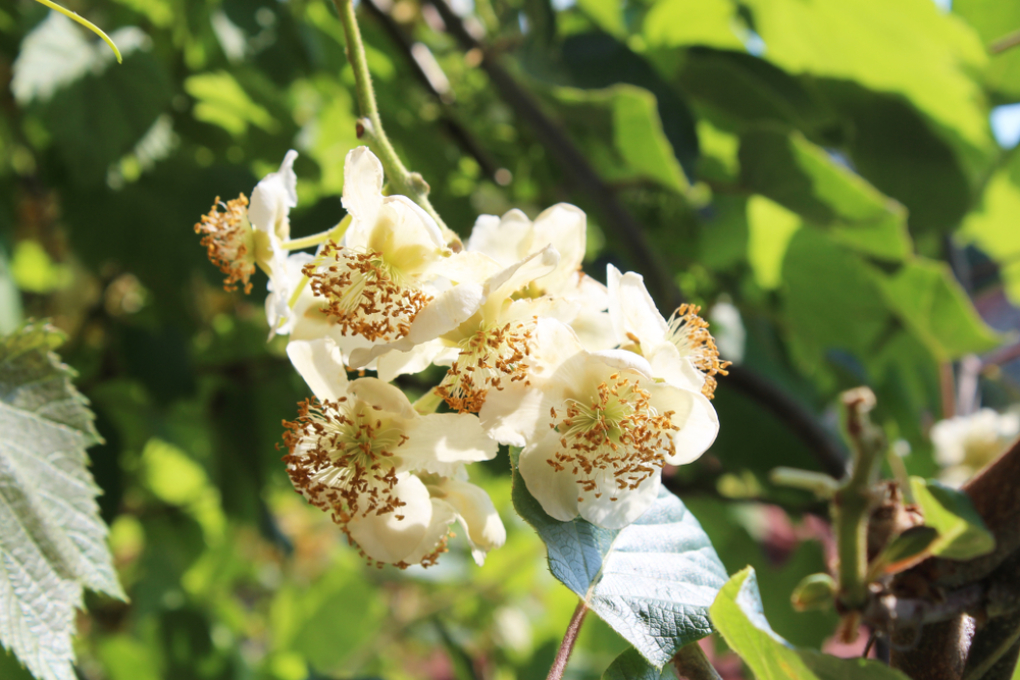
point(480, 331)
point(243, 236)
point(353, 452)
point(596, 429)
point(563, 226)
point(680, 350)
point(965, 444)
point(375, 282)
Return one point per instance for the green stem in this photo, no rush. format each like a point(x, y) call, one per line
point(852, 502)
point(84, 22)
point(820, 484)
point(370, 128)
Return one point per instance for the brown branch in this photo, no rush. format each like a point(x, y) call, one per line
point(939, 653)
point(690, 663)
point(616, 217)
point(1005, 42)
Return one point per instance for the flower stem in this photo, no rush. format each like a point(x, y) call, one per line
point(852, 502)
point(567, 646)
point(334, 235)
point(370, 128)
point(73, 16)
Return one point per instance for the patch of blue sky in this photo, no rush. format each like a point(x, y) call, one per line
point(1006, 125)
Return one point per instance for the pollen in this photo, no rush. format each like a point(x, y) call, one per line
point(614, 440)
point(689, 332)
point(229, 242)
point(340, 457)
point(490, 359)
point(364, 295)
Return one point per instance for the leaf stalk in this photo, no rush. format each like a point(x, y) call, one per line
point(567, 646)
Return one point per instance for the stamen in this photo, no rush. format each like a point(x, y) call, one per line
point(489, 359)
point(615, 441)
point(229, 242)
point(689, 333)
point(364, 294)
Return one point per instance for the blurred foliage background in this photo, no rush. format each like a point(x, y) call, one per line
point(835, 181)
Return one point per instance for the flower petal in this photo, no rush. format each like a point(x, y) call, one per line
point(442, 442)
point(556, 492)
point(386, 537)
point(505, 239)
point(478, 516)
point(443, 515)
point(273, 197)
point(693, 414)
point(632, 309)
point(417, 359)
point(362, 194)
point(563, 226)
point(387, 397)
point(521, 273)
point(512, 415)
point(628, 506)
point(320, 364)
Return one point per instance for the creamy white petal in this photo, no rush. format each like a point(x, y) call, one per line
point(467, 267)
point(676, 370)
point(477, 514)
point(632, 309)
point(272, 199)
point(512, 415)
point(320, 364)
point(506, 240)
point(693, 414)
point(443, 515)
point(556, 492)
point(441, 442)
point(285, 276)
point(388, 539)
point(417, 359)
point(628, 506)
point(564, 227)
point(555, 343)
point(412, 211)
point(623, 360)
point(521, 273)
point(387, 397)
point(362, 194)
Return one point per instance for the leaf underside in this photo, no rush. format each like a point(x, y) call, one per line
point(652, 581)
point(52, 541)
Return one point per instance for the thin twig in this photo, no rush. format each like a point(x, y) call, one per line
point(567, 646)
point(616, 217)
point(370, 128)
point(690, 663)
point(1005, 42)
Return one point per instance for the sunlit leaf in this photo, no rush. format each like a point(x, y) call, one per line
point(53, 543)
point(738, 615)
point(632, 666)
point(651, 581)
point(962, 533)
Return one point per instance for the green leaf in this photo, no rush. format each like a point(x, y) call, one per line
point(992, 21)
point(632, 666)
point(992, 227)
point(53, 543)
point(737, 614)
point(669, 24)
point(815, 591)
point(962, 533)
point(909, 48)
point(651, 581)
point(904, 551)
point(926, 296)
point(795, 173)
point(640, 148)
point(222, 101)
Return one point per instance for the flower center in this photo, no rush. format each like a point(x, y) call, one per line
point(364, 294)
point(689, 333)
point(487, 358)
point(340, 456)
point(229, 242)
point(614, 441)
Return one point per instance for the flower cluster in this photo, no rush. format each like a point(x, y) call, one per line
point(595, 387)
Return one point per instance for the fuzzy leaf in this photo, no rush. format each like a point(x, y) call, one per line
point(52, 541)
point(652, 581)
point(962, 533)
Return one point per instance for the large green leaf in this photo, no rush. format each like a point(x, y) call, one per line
point(801, 176)
point(632, 666)
point(52, 541)
point(908, 47)
point(738, 615)
point(992, 227)
point(934, 306)
point(651, 581)
point(994, 20)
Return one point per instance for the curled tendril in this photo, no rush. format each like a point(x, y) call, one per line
point(86, 23)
